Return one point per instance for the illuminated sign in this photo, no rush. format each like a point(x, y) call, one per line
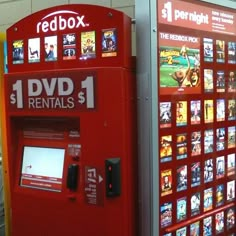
point(58, 22)
point(196, 17)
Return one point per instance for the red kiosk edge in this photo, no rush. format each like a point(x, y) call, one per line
point(70, 123)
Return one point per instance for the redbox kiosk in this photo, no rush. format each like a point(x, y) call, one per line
point(70, 123)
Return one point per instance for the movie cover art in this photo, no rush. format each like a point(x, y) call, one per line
point(109, 43)
point(208, 111)
point(181, 231)
point(208, 141)
point(230, 218)
point(34, 50)
point(18, 52)
point(207, 226)
point(181, 209)
point(182, 178)
point(220, 110)
point(208, 170)
point(219, 222)
point(208, 199)
point(195, 107)
point(232, 82)
point(179, 64)
point(232, 52)
point(181, 143)
point(166, 214)
point(88, 45)
point(208, 81)
point(220, 195)
point(208, 49)
point(231, 164)
point(231, 109)
point(195, 229)
point(220, 167)
point(166, 148)
point(220, 51)
point(231, 190)
point(168, 234)
point(195, 174)
point(196, 143)
point(231, 137)
point(50, 48)
point(181, 113)
point(220, 81)
point(165, 114)
point(220, 139)
point(69, 46)
point(166, 182)
point(195, 204)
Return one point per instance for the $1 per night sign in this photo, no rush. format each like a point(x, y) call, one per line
point(61, 91)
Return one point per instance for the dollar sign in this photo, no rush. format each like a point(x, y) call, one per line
point(81, 97)
point(13, 98)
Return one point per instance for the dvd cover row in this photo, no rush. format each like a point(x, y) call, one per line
point(73, 47)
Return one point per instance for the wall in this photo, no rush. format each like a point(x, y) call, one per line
point(13, 10)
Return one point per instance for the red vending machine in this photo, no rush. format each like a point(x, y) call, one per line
point(197, 118)
point(70, 123)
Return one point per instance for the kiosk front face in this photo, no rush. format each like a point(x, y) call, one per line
point(70, 131)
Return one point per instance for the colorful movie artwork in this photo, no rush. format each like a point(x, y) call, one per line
point(179, 64)
point(230, 218)
point(166, 182)
point(208, 170)
point(88, 45)
point(181, 209)
point(220, 167)
point(220, 81)
point(232, 52)
point(165, 114)
point(69, 46)
point(181, 143)
point(232, 81)
point(50, 48)
point(195, 174)
point(231, 164)
point(34, 50)
point(109, 43)
point(207, 226)
point(195, 109)
point(166, 214)
point(219, 222)
point(166, 148)
point(18, 52)
point(208, 81)
point(208, 111)
point(220, 195)
point(220, 51)
point(220, 139)
point(231, 190)
point(208, 141)
point(181, 231)
point(231, 109)
point(195, 204)
point(195, 229)
point(220, 110)
point(196, 143)
point(208, 49)
point(182, 178)
point(208, 199)
point(231, 137)
point(181, 113)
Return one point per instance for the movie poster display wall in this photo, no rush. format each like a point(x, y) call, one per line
point(197, 118)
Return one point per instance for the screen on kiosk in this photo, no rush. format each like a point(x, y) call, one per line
point(42, 168)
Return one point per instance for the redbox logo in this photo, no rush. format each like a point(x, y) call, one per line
point(60, 23)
